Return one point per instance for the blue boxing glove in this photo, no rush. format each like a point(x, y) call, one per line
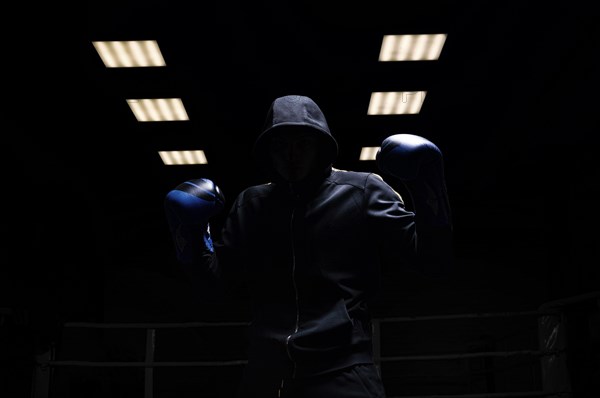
point(188, 209)
point(419, 164)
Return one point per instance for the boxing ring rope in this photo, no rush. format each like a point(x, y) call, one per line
point(377, 333)
point(151, 328)
point(46, 361)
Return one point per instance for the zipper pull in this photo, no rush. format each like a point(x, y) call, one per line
point(280, 389)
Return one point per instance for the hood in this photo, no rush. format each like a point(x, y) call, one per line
point(300, 111)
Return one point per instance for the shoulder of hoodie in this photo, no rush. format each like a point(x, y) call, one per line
point(254, 191)
point(358, 179)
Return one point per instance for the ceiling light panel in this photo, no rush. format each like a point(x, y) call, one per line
point(368, 153)
point(396, 102)
point(129, 54)
point(412, 47)
point(158, 109)
point(177, 158)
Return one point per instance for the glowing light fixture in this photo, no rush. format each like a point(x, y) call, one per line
point(368, 153)
point(129, 54)
point(177, 158)
point(427, 47)
point(396, 102)
point(158, 109)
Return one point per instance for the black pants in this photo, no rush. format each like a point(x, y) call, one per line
point(358, 381)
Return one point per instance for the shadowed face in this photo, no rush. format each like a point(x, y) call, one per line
point(294, 153)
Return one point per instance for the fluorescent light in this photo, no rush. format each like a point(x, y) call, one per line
point(129, 54)
point(396, 102)
point(368, 152)
point(412, 47)
point(176, 158)
point(158, 109)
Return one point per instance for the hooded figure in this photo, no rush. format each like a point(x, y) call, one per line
point(299, 116)
point(307, 248)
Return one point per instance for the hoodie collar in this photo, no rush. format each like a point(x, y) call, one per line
point(305, 189)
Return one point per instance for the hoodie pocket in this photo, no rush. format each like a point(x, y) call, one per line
point(324, 330)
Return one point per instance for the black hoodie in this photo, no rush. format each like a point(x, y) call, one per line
point(310, 254)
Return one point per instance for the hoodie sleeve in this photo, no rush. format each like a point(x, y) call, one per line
point(402, 241)
point(392, 224)
point(218, 275)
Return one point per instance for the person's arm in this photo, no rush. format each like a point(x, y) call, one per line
point(189, 208)
point(418, 164)
point(392, 226)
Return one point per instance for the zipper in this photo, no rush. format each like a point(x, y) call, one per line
point(288, 338)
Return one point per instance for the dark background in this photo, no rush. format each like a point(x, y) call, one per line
point(512, 103)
